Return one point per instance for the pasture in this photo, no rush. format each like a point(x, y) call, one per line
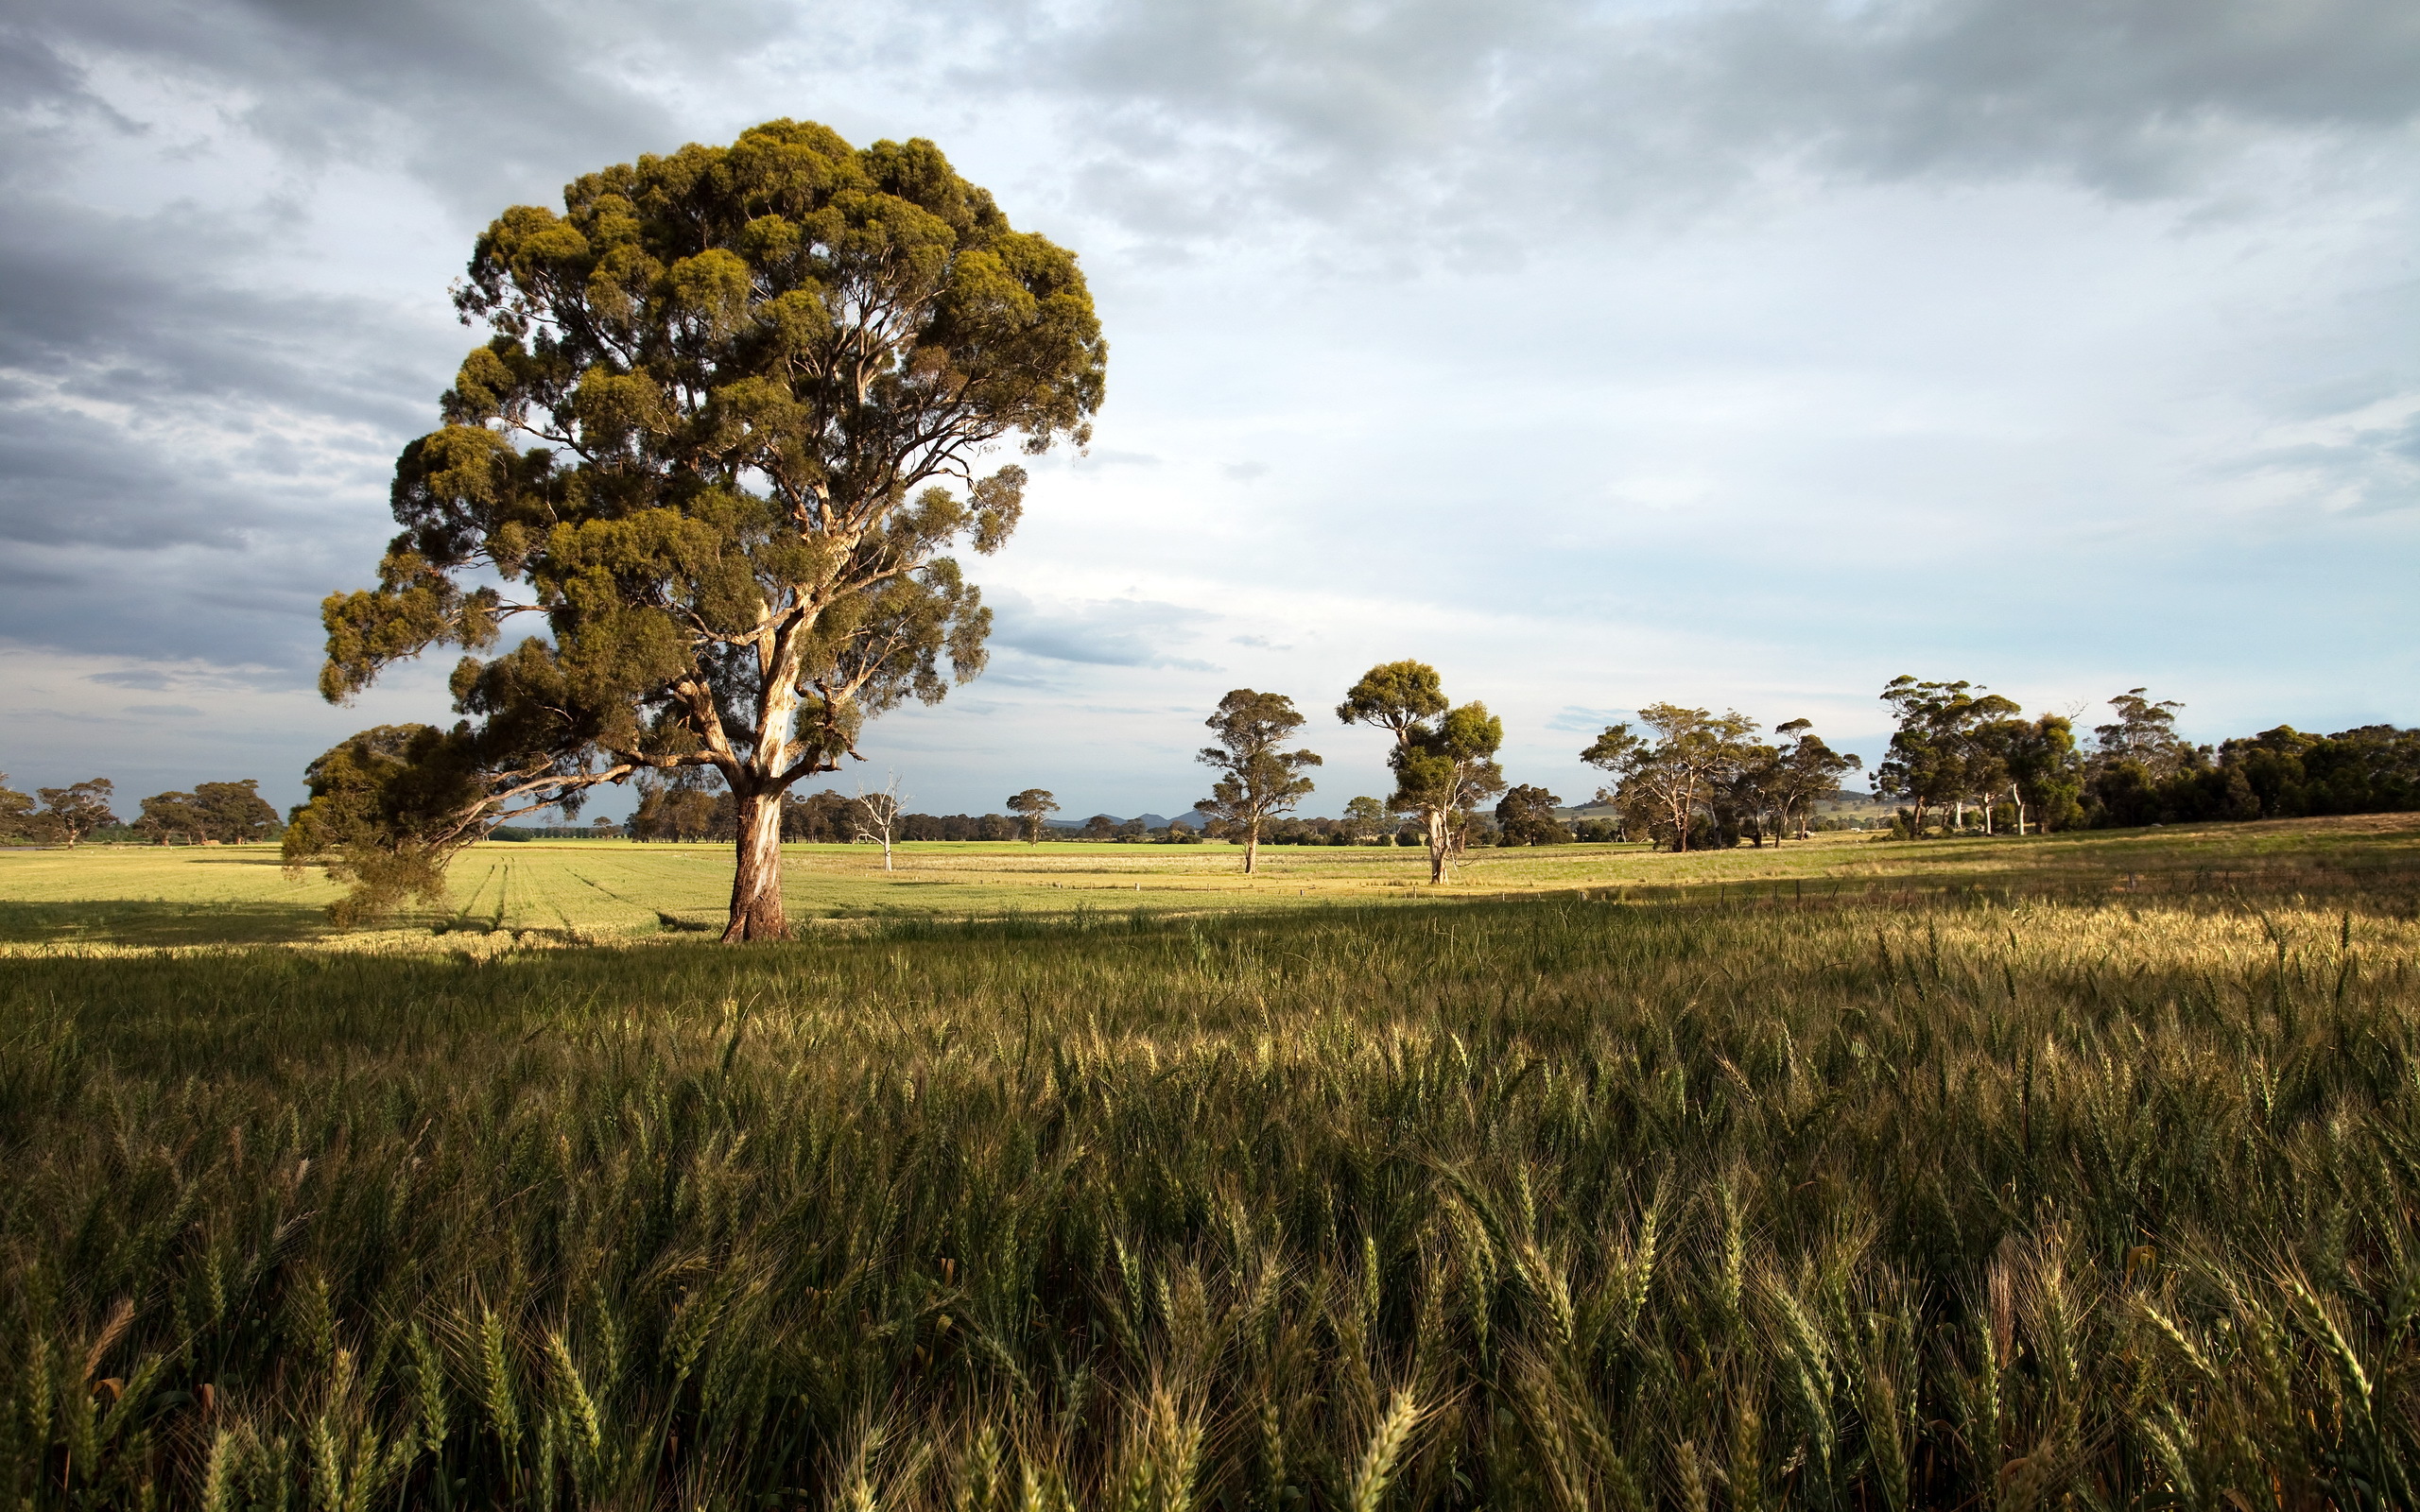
point(2083, 1173)
point(504, 896)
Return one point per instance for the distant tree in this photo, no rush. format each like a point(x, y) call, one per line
point(1255, 779)
point(1664, 784)
point(1938, 757)
point(877, 814)
point(757, 382)
point(1101, 827)
point(1134, 830)
point(1444, 757)
point(2142, 772)
point(168, 817)
point(228, 813)
point(1033, 807)
point(1805, 772)
point(17, 823)
point(1364, 818)
point(235, 812)
point(2037, 760)
point(2143, 731)
point(602, 825)
point(674, 806)
point(1527, 816)
point(75, 811)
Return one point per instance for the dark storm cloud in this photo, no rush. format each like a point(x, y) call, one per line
point(478, 95)
point(186, 463)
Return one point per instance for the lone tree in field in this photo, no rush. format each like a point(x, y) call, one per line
point(1031, 807)
point(1256, 780)
point(1444, 757)
point(875, 816)
point(731, 419)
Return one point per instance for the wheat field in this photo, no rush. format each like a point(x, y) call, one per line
point(1764, 1201)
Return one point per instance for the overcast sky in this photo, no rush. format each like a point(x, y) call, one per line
point(1735, 354)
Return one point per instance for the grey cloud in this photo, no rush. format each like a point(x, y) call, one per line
point(2370, 470)
point(478, 95)
point(176, 711)
point(1119, 632)
point(1245, 471)
point(1426, 114)
point(1578, 721)
point(142, 678)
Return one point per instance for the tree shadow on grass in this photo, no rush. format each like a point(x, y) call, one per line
point(131, 921)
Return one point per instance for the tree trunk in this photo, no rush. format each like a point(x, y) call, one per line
point(756, 911)
point(1440, 843)
point(2017, 798)
point(1252, 845)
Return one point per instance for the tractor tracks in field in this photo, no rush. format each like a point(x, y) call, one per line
point(672, 922)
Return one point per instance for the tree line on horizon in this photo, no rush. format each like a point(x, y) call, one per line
point(1965, 760)
point(211, 814)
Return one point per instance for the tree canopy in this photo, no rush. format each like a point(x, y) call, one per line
point(1526, 817)
point(77, 810)
point(228, 813)
point(732, 415)
point(16, 814)
point(1033, 807)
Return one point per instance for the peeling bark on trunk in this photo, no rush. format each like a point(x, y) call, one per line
point(1440, 847)
point(756, 911)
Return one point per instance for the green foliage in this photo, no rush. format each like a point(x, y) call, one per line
point(1444, 757)
point(69, 814)
point(387, 808)
point(2143, 773)
point(1256, 779)
point(1364, 816)
point(1441, 1207)
point(1031, 807)
point(1941, 753)
point(755, 382)
point(1527, 816)
point(228, 813)
point(1680, 788)
point(17, 822)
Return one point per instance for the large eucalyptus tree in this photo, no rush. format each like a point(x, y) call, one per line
point(731, 419)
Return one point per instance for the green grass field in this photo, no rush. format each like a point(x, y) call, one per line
point(2082, 1173)
point(597, 891)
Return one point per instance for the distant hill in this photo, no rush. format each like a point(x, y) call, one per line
point(1193, 818)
